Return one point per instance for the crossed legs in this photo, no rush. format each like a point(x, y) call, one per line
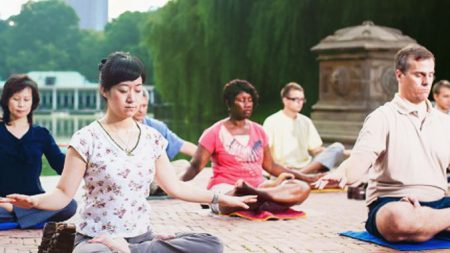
point(285, 195)
point(402, 221)
point(327, 159)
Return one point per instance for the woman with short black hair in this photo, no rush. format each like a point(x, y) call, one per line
point(22, 145)
point(118, 158)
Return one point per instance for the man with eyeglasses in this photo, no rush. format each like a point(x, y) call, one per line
point(293, 139)
point(404, 146)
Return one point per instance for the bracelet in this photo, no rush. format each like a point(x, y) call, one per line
point(215, 199)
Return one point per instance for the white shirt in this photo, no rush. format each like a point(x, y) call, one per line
point(291, 139)
point(116, 184)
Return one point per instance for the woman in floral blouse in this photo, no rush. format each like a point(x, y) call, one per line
point(118, 158)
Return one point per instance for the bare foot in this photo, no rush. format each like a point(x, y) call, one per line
point(286, 176)
point(115, 244)
point(277, 181)
point(242, 188)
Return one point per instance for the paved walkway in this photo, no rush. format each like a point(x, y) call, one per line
point(327, 215)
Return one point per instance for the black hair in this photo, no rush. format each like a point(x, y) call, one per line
point(236, 86)
point(14, 84)
point(119, 67)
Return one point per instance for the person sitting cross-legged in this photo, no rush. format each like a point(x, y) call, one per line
point(239, 152)
point(22, 145)
point(404, 146)
point(118, 158)
point(293, 139)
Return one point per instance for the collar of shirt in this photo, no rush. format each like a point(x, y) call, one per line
point(406, 107)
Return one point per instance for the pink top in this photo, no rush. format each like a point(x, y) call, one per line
point(233, 160)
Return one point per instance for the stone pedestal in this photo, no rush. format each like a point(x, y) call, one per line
point(356, 76)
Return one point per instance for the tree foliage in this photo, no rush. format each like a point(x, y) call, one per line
point(124, 34)
point(46, 36)
point(195, 46)
point(199, 45)
point(42, 36)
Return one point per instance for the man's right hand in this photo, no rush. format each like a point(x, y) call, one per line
point(334, 177)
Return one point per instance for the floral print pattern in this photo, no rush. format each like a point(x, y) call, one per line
point(116, 184)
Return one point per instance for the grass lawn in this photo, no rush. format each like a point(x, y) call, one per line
point(47, 169)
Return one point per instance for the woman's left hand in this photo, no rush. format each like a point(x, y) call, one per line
point(237, 201)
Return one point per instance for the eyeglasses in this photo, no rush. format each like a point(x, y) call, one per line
point(298, 100)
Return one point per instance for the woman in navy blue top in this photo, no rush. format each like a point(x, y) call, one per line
point(22, 145)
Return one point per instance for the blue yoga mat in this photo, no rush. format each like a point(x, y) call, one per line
point(15, 225)
point(435, 243)
point(8, 225)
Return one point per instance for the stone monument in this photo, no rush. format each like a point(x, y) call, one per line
point(356, 75)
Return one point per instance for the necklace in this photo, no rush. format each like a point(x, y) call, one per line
point(124, 145)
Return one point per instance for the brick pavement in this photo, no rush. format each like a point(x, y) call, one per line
point(327, 214)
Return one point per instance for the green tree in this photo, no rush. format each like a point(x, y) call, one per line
point(198, 45)
point(91, 51)
point(124, 34)
point(43, 36)
point(3, 49)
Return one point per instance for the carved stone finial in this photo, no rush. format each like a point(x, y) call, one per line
point(368, 23)
point(366, 36)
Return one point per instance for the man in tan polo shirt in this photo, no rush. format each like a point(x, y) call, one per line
point(404, 146)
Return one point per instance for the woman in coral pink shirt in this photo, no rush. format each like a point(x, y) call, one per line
point(239, 153)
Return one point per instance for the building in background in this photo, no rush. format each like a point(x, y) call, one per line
point(68, 102)
point(93, 14)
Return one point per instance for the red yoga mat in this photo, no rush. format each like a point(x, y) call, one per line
point(288, 214)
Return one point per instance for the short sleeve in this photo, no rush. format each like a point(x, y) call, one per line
point(82, 143)
point(174, 142)
point(209, 138)
point(155, 143)
point(158, 144)
point(314, 140)
point(268, 128)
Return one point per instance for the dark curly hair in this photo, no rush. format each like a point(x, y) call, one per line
point(14, 84)
point(236, 86)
